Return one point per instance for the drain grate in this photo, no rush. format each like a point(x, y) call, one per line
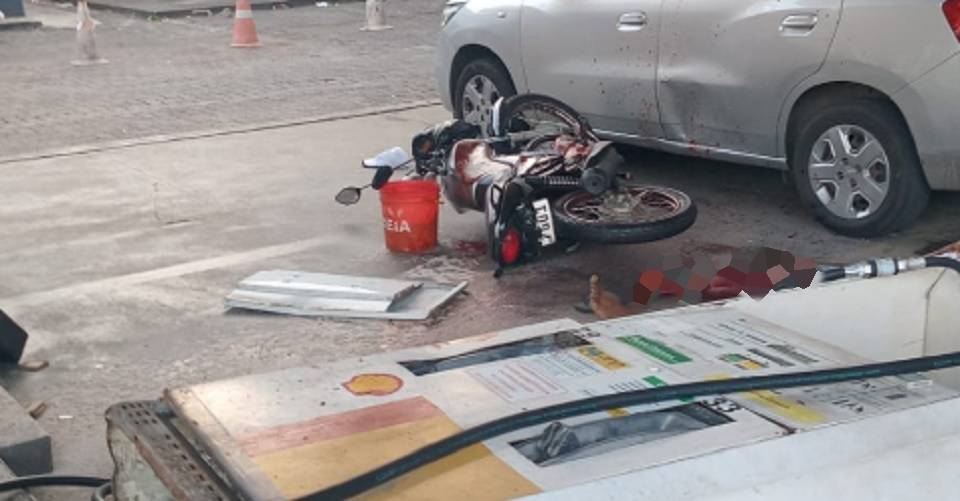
point(156, 460)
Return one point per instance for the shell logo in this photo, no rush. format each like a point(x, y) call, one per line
point(393, 221)
point(377, 385)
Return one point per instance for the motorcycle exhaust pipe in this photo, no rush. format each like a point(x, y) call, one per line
point(600, 173)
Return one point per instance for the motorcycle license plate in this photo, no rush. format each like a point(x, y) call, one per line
point(548, 234)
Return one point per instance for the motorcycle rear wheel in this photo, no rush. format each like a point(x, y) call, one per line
point(633, 214)
point(536, 113)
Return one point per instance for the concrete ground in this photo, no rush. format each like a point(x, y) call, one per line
point(116, 252)
point(179, 75)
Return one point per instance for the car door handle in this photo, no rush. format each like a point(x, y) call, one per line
point(632, 21)
point(798, 24)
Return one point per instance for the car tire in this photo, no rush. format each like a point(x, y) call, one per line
point(480, 73)
point(844, 192)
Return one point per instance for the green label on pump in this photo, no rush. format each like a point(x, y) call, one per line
point(656, 349)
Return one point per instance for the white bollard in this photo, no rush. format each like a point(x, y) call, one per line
point(86, 46)
point(376, 17)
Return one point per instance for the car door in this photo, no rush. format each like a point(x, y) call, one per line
point(598, 56)
point(727, 66)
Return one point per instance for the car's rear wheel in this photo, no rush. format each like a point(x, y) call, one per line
point(478, 87)
point(856, 167)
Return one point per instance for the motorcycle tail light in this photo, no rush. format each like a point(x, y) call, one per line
point(951, 9)
point(510, 246)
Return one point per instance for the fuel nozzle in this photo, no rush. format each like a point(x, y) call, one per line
point(873, 268)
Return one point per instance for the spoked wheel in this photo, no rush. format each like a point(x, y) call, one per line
point(632, 214)
point(540, 117)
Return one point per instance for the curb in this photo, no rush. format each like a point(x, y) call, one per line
point(171, 138)
point(19, 23)
point(130, 7)
point(24, 446)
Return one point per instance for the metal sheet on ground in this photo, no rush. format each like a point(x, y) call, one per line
point(321, 294)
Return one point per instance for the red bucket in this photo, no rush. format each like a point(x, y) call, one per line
point(410, 213)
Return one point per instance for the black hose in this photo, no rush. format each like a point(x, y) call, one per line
point(103, 492)
point(51, 481)
point(943, 262)
point(486, 431)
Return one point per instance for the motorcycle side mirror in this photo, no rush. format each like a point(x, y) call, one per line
point(394, 157)
point(348, 196)
point(381, 177)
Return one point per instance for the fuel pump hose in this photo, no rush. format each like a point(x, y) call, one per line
point(52, 481)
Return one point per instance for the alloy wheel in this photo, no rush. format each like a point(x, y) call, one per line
point(479, 96)
point(849, 171)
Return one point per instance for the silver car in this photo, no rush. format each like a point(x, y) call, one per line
point(858, 99)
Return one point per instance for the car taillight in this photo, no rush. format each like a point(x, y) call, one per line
point(951, 9)
point(510, 246)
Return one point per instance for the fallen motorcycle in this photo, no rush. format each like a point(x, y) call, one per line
point(541, 176)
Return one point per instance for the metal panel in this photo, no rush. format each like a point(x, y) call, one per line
point(418, 304)
point(894, 331)
point(324, 291)
point(599, 57)
point(319, 294)
point(726, 67)
point(490, 24)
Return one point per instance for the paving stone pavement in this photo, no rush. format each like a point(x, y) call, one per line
point(180, 75)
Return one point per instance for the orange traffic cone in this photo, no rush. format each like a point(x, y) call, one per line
point(86, 48)
point(244, 30)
